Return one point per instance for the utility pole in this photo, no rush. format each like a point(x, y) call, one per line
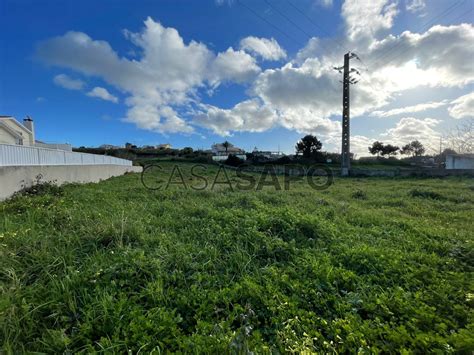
point(347, 81)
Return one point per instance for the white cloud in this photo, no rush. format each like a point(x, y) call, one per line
point(232, 65)
point(463, 107)
point(164, 81)
point(325, 3)
point(68, 83)
point(365, 19)
point(435, 58)
point(409, 129)
point(268, 49)
point(415, 5)
point(165, 77)
point(249, 115)
point(103, 94)
point(410, 109)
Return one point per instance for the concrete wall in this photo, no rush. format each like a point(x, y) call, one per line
point(14, 178)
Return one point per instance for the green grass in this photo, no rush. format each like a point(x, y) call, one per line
point(368, 265)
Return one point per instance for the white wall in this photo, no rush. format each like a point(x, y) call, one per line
point(224, 157)
point(59, 146)
point(16, 155)
point(459, 162)
point(14, 178)
point(6, 137)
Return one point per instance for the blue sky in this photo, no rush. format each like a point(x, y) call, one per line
point(149, 72)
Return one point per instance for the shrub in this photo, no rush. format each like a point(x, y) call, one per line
point(426, 194)
point(40, 189)
point(234, 160)
point(359, 195)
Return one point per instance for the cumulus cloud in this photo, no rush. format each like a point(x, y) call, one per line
point(163, 84)
point(167, 75)
point(409, 129)
point(463, 107)
point(68, 83)
point(268, 49)
point(103, 94)
point(410, 109)
point(305, 93)
point(368, 18)
point(435, 58)
point(249, 115)
point(232, 65)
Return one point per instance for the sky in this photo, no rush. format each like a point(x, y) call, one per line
point(258, 73)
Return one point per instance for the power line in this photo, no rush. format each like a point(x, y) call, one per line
point(310, 36)
point(268, 22)
point(316, 25)
point(430, 22)
point(288, 19)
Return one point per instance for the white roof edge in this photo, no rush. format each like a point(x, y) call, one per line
point(13, 119)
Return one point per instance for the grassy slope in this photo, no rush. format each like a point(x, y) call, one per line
point(362, 266)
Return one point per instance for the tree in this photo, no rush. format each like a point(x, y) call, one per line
point(406, 149)
point(390, 150)
point(187, 150)
point(418, 149)
point(415, 148)
point(309, 146)
point(234, 160)
point(377, 148)
point(226, 145)
point(461, 139)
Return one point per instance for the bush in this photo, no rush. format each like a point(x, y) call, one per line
point(359, 195)
point(41, 189)
point(426, 194)
point(233, 160)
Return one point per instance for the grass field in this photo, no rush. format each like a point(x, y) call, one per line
point(367, 265)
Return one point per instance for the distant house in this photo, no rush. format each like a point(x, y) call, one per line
point(15, 133)
point(459, 161)
point(270, 155)
point(163, 146)
point(109, 146)
point(220, 152)
point(219, 149)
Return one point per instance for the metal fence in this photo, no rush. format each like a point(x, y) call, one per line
point(19, 155)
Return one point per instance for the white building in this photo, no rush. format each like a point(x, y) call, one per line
point(459, 161)
point(271, 155)
point(14, 133)
point(220, 152)
point(109, 146)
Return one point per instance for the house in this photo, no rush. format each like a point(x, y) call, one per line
point(270, 155)
point(109, 146)
point(220, 149)
point(459, 161)
point(163, 146)
point(14, 133)
point(220, 152)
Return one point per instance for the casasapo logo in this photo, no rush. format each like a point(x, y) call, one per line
point(198, 177)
